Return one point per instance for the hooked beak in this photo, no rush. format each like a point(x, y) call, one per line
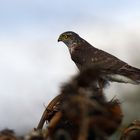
point(59, 39)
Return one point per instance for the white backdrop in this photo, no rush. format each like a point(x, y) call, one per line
point(33, 65)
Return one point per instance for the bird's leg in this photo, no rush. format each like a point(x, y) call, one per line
point(101, 84)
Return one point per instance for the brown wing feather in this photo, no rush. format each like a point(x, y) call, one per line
point(87, 56)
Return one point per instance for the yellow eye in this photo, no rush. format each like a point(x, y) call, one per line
point(65, 36)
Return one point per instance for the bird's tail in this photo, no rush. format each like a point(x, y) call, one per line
point(131, 72)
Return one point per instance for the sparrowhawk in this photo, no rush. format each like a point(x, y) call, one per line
point(85, 55)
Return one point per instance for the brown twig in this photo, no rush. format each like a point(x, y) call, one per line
point(54, 121)
point(49, 111)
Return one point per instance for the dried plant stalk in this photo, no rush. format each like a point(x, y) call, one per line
point(49, 111)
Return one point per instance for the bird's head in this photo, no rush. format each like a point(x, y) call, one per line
point(69, 38)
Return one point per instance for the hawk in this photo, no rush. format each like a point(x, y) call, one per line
point(85, 55)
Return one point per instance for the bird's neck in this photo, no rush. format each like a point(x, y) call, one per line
point(79, 43)
point(72, 47)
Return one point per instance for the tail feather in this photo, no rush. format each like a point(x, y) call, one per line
point(130, 72)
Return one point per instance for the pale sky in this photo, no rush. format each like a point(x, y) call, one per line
point(33, 65)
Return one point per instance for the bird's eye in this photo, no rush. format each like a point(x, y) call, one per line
point(66, 36)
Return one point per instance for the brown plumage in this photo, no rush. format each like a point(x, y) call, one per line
point(85, 55)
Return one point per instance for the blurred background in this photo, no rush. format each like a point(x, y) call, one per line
point(33, 65)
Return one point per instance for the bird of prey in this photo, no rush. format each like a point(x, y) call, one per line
point(85, 55)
